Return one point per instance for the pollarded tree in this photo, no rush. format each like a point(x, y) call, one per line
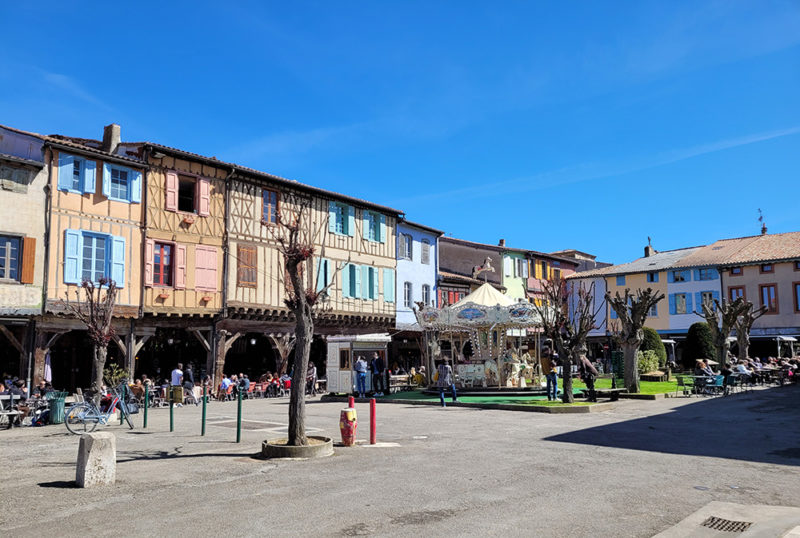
point(743, 325)
point(721, 316)
point(567, 313)
point(296, 245)
point(632, 311)
point(96, 310)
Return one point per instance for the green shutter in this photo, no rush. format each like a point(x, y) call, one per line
point(388, 285)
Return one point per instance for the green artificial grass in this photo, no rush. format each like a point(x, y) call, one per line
point(494, 399)
point(645, 387)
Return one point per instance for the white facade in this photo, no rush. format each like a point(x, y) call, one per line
point(687, 286)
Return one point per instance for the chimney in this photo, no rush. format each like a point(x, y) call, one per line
point(502, 243)
point(649, 251)
point(111, 137)
point(763, 229)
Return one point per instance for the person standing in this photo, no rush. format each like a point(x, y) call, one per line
point(377, 374)
point(361, 376)
point(550, 373)
point(444, 379)
point(177, 381)
point(588, 374)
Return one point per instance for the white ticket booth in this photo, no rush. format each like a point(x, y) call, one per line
point(343, 351)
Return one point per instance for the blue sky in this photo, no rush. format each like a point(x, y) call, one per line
point(588, 125)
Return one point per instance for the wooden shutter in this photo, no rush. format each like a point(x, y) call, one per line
point(382, 238)
point(171, 187)
point(203, 197)
point(246, 270)
point(106, 180)
point(72, 254)
point(331, 217)
point(149, 247)
point(136, 187)
point(205, 261)
point(89, 176)
point(28, 260)
point(180, 266)
point(365, 224)
point(351, 221)
point(118, 260)
point(346, 281)
point(65, 168)
point(388, 285)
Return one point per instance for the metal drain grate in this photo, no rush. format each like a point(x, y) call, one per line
point(719, 524)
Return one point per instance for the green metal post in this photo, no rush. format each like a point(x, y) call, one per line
point(171, 411)
point(239, 415)
point(146, 405)
point(203, 427)
point(121, 405)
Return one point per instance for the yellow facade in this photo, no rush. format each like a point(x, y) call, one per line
point(637, 281)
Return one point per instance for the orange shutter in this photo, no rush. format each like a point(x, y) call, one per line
point(28, 260)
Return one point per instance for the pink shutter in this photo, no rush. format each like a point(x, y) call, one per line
point(172, 192)
point(180, 267)
point(149, 246)
point(206, 268)
point(203, 197)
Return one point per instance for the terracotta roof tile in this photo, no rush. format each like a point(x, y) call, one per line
point(747, 250)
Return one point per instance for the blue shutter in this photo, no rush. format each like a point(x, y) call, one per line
point(672, 309)
point(689, 308)
point(375, 289)
point(621, 280)
point(365, 289)
point(351, 221)
point(388, 285)
point(670, 276)
point(72, 256)
point(65, 168)
point(346, 281)
point(714, 274)
point(365, 224)
point(118, 260)
point(318, 275)
point(136, 186)
point(106, 180)
point(697, 274)
point(89, 171)
point(715, 295)
point(382, 238)
point(357, 273)
point(331, 217)
point(698, 301)
point(613, 313)
point(655, 277)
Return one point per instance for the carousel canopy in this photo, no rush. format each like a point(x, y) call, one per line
point(486, 295)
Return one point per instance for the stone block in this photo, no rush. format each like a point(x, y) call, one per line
point(97, 460)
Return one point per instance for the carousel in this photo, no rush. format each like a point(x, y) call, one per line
point(482, 336)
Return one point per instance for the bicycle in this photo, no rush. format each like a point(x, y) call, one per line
point(85, 416)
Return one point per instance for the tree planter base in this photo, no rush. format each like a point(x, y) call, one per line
point(318, 447)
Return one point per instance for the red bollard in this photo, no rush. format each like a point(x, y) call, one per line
point(351, 402)
point(372, 425)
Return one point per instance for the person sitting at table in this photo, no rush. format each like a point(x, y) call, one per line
point(137, 389)
point(745, 372)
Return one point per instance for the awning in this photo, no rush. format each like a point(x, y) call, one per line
point(667, 341)
point(786, 339)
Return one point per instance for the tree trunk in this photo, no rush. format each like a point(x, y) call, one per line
point(631, 367)
point(304, 332)
point(98, 365)
point(743, 339)
point(566, 383)
point(722, 353)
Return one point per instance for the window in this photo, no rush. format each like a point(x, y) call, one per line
point(735, 271)
point(707, 297)
point(543, 269)
point(621, 280)
point(369, 283)
point(374, 227)
point(269, 210)
point(76, 174)
point(122, 184)
point(426, 294)
point(406, 243)
point(653, 311)
point(186, 192)
point(247, 257)
point(162, 264)
point(340, 218)
point(344, 359)
point(557, 274)
point(92, 255)
point(521, 268)
point(508, 266)
point(93, 264)
point(652, 277)
point(680, 303)
point(767, 268)
point(9, 257)
point(408, 300)
point(797, 266)
point(679, 276)
point(14, 179)
point(796, 296)
point(706, 274)
point(734, 292)
point(769, 297)
point(425, 258)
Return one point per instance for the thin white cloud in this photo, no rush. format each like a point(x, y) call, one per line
point(70, 86)
point(594, 171)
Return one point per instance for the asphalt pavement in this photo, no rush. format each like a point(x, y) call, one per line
point(636, 470)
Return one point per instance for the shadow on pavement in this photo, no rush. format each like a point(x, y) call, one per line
point(64, 484)
point(758, 426)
